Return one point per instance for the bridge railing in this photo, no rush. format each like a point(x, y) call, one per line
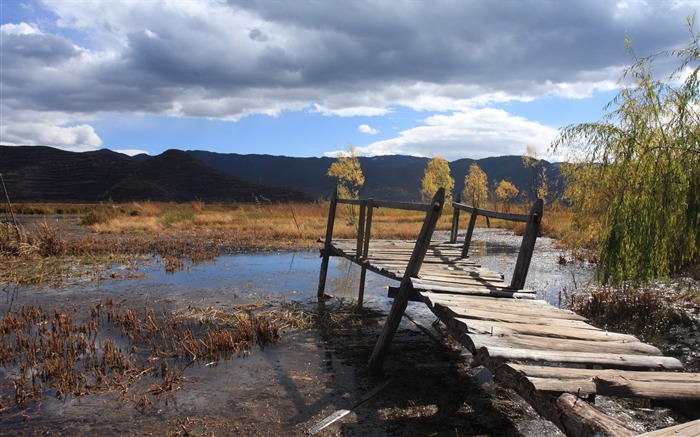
point(364, 231)
point(533, 220)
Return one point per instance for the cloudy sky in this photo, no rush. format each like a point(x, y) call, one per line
point(451, 78)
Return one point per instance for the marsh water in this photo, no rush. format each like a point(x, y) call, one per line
point(280, 390)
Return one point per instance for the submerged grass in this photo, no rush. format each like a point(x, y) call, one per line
point(138, 353)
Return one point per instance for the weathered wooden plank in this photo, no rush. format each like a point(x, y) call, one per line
point(515, 317)
point(577, 373)
point(532, 308)
point(503, 328)
point(577, 417)
point(682, 386)
point(466, 280)
point(482, 291)
point(611, 360)
point(421, 284)
point(520, 341)
point(689, 429)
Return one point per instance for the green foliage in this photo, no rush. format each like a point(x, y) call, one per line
point(476, 186)
point(437, 175)
point(640, 174)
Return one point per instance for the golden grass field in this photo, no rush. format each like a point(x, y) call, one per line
point(52, 237)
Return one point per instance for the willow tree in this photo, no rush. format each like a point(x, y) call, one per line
point(641, 170)
point(476, 186)
point(437, 175)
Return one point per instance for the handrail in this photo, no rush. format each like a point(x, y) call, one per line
point(364, 231)
point(407, 206)
point(492, 214)
point(533, 220)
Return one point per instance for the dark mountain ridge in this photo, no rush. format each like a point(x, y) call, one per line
point(45, 174)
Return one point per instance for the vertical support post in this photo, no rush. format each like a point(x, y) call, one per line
point(326, 252)
point(414, 264)
point(527, 246)
point(470, 231)
point(361, 230)
point(455, 221)
point(365, 251)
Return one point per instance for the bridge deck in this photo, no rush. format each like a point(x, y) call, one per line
point(552, 357)
point(535, 348)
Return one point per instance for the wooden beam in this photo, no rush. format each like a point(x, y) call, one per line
point(398, 307)
point(528, 245)
point(327, 247)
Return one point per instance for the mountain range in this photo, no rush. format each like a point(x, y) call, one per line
point(45, 174)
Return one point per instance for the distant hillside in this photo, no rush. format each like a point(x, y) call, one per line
point(386, 177)
point(44, 174)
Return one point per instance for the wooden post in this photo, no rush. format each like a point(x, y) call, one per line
point(365, 251)
point(455, 221)
point(527, 246)
point(361, 231)
point(414, 264)
point(326, 252)
point(470, 231)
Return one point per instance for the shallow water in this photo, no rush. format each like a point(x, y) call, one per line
point(271, 391)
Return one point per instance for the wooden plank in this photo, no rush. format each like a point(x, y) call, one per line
point(504, 328)
point(577, 417)
point(519, 341)
point(682, 386)
point(436, 287)
point(610, 360)
point(531, 308)
point(429, 281)
point(566, 372)
point(689, 429)
point(515, 317)
point(486, 292)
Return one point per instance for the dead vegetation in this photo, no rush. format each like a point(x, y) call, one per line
point(139, 354)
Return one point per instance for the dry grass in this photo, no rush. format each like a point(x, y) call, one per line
point(67, 353)
point(192, 232)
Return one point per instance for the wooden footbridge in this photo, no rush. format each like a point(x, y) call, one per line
point(551, 357)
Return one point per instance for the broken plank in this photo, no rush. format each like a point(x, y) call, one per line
point(655, 385)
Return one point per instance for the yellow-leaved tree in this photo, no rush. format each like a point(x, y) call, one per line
point(437, 175)
point(476, 186)
point(505, 192)
point(350, 178)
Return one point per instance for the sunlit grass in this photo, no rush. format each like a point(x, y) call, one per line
point(196, 232)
